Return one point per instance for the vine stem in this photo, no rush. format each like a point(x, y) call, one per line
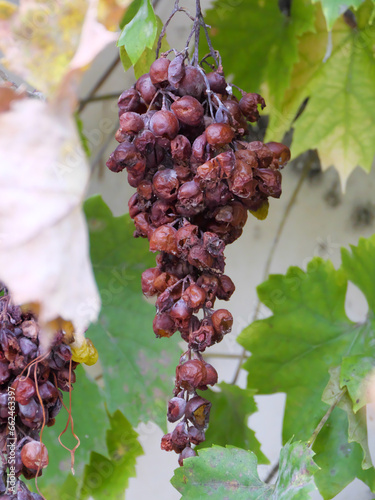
point(198, 16)
point(321, 424)
point(314, 435)
point(176, 9)
point(271, 254)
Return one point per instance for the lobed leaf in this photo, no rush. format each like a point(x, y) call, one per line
point(230, 412)
point(140, 32)
point(335, 117)
point(109, 477)
point(231, 473)
point(138, 369)
point(309, 333)
point(254, 36)
point(357, 431)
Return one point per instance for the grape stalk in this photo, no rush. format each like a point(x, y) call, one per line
point(183, 141)
point(32, 381)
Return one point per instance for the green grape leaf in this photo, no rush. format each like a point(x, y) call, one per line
point(355, 372)
point(140, 32)
point(312, 48)
point(306, 334)
point(359, 266)
point(130, 12)
point(334, 8)
point(148, 57)
point(90, 424)
point(309, 333)
point(138, 369)
point(125, 60)
point(296, 470)
point(108, 477)
point(254, 37)
point(337, 75)
point(128, 16)
point(339, 461)
point(357, 431)
point(82, 136)
point(68, 491)
point(335, 116)
point(231, 473)
point(230, 412)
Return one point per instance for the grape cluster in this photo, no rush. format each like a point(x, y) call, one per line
point(183, 144)
point(31, 382)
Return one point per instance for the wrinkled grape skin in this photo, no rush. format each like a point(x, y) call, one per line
point(196, 176)
point(32, 381)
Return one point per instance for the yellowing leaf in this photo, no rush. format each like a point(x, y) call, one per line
point(339, 119)
point(40, 39)
point(334, 8)
point(6, 10)
point(44, 255)
point(312, 48)
point(43, 41)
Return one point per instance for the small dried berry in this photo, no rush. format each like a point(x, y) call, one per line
point(164, 124)
point(146, 88)
point(163, 239)
point(34, 455)
point(191, 374)
point(186, 453)
point(198, 412)
point(249, 106)
point(188, 110)
point(159, 71)
point(176, 409)
point(222, 321)
point(219, 134)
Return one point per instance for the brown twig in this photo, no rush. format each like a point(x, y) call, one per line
point(272, 473)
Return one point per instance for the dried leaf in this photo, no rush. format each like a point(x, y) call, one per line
point(44, 256)
point(43, 42)
point(7, 95)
